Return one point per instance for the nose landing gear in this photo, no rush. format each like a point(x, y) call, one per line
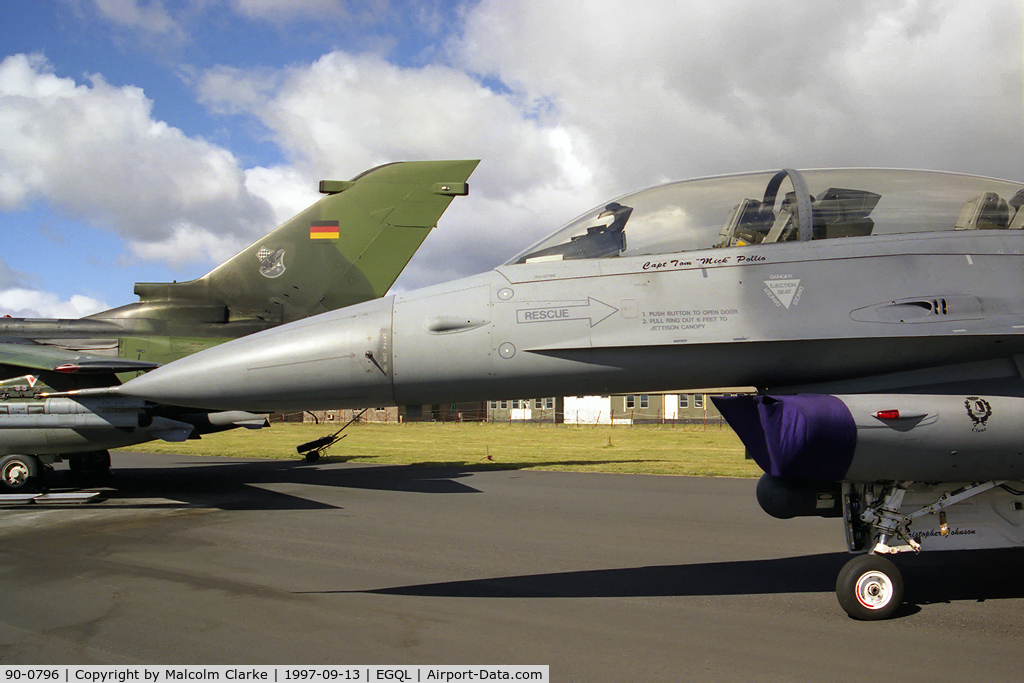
point(870, 588)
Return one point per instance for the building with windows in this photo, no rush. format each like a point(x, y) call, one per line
point(437, 412)
point(693, 407)
point(547, 410)
point(683, 408)
point(472, 411)
point(384, 415)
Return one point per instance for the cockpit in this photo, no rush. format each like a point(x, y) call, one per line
point(785, 206)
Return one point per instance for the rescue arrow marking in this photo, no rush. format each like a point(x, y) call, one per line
point(593, 310)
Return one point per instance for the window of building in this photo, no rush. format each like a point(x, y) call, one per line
point(549, 403)
point(684, 400)
point(504, 405)
point(494, 404)
point(630, 401)
point(698, 400)
point(645, 401)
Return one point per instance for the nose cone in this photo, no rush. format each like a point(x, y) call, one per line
point(334, 360)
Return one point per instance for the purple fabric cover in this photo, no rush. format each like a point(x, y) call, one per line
point(803, 436)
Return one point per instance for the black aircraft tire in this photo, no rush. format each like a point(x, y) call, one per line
point(312, 456)
point(91, 464)
point(870, 588)
point(20, 474)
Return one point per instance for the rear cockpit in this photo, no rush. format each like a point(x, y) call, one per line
point(787, 206)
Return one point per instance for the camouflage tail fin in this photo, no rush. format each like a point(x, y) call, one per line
point(348, 247)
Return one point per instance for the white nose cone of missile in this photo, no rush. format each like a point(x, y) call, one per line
point(343, 356)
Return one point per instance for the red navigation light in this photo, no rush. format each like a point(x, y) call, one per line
point(888, 414)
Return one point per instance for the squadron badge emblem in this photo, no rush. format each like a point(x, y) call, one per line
point(979, 411)
point(271, 262)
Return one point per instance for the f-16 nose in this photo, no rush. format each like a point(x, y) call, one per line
point(335, 359)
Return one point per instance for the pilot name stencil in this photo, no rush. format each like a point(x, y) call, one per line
point(701, 262)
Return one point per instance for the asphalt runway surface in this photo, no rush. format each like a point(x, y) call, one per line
point(602, 577)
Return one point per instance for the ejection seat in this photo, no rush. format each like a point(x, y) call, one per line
point(1015, 204)
point(987, 211)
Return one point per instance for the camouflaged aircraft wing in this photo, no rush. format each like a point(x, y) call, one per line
point(19, 358)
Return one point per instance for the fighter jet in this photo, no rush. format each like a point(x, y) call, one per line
point(346, 248)
point(879, 313)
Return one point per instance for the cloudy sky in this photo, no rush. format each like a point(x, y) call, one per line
point(148, 140)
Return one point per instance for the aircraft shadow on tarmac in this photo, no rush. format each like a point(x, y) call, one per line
point(241, 485)
point(938, 578)
point(498, 466)
point(234, 485)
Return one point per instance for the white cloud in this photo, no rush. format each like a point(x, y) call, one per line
point(608, 96)
point(96, 152)
point(160, 24)
point(10, 277)
point(702, 87)
point(289, 9)
point(346, 113)
point(360, 111)
point(566, 105)
point(231, 90)
point(284, 188)
point(151, 17)
point(183, 244)
point(29, 303)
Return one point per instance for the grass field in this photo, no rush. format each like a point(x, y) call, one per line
point(646, 449)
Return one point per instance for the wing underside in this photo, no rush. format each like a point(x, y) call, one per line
point(62, 369)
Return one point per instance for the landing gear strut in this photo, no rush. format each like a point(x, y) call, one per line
point(870, 586)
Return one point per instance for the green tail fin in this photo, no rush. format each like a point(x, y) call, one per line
point(348, 247)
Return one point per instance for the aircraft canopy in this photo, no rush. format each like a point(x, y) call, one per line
point(775, 207)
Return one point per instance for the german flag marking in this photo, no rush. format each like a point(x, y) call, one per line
point(323, 230)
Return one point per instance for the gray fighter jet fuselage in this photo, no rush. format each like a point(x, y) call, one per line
point(884, 283)
point(896, 297)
